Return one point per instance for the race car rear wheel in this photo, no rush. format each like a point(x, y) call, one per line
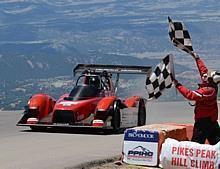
point(141, 113)
point(116, 116)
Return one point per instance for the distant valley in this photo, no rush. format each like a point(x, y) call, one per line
point(41, 42)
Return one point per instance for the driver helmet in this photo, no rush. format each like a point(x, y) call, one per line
point(94, 81)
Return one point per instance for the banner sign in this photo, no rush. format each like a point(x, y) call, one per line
point(187, 154)
point(140, 147)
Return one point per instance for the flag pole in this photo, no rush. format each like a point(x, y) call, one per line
point(172, 68)
point(182, 46)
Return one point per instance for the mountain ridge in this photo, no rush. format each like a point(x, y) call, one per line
point(42, 40)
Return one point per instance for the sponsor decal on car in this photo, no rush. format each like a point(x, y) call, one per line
point(68, 103)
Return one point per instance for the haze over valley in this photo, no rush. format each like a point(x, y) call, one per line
point(42, 40)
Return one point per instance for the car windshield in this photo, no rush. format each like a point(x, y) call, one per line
point(83, 92)
point(90, 80)
point(87, 86)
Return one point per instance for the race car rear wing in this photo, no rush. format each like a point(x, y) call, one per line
point(118, 69)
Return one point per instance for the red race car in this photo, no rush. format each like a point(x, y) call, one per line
point(91, 103)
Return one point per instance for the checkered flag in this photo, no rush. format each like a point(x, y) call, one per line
point(160, 78)
point(179, 36)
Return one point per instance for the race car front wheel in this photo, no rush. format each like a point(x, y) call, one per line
point(141, 113)
point(116, 116)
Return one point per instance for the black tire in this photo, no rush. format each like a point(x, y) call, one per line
point(116, 116)
point(141, 113)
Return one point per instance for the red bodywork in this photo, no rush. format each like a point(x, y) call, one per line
point(91, 103)
point(44, 110)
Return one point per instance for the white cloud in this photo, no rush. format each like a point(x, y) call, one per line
point(75, 2)
point(30, 64)
point(40, 65)
point(19, 10)
point(11, 1)
point(24, 42)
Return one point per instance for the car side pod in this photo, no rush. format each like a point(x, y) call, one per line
point(97, 123)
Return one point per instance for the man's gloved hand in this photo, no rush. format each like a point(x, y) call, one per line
point(176, 83)
point(195, 55)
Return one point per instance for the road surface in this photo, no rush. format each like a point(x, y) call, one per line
point(23, 149)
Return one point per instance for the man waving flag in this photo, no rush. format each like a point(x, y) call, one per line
point(179, 36)
point(160, 78)
point(206, 126)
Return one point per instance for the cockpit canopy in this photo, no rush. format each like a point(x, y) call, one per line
point(87, 86)
point(83, 92)
point(89, 80)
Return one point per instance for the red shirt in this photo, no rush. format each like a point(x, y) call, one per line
point(205, 96)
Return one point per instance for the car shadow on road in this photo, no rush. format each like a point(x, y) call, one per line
point(87, 131)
